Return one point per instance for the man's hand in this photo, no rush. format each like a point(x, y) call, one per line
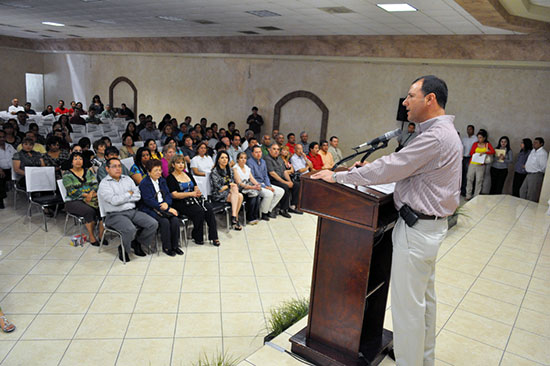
point(325, 175)
point(173, 211)
point(131, 192)
point(358, 164)
point(270, 188)
point(289, 184)
point(164, 206)
point(2, 174)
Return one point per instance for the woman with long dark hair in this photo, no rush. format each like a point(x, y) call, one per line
point(151, 145)
point(138, 170)
point(127, 149)
point(131, 129)
point(96, 105)
point(499, 168)
point(476, 170)
point(224, 188)
point(519, 169)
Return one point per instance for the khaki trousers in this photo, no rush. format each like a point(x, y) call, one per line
point(477, 173)
point(413, 301)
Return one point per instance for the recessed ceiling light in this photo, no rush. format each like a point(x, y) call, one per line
point(104, 21)
point(170, 18)
point(17, 5)
point(90, 1)
point(269, 28)
point(263, 13)
point(53, 24)
point(249, 32)
point(204, 21)
point(337, 10)
point(396, 7)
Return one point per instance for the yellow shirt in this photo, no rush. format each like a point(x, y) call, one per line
point(39, 148)
point(328, 160)
point(479, 150)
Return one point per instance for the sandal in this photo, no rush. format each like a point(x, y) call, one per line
point(216, 243)
point(8, 327)
point(235, 224)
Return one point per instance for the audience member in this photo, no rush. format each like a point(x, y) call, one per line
point(476, 170)
point(300, 163)
point(170, 141)
point(211, 140)
point(248, 186)
point(15, 107)
point(111, 153)
point(151, 145)
point(499, 168)
point(291, 138)
point(96, 105)
point(224, 188)
point(335, 150)
point(519, 168)
point(11, 137)
point(280, 140)
point(81, 107)
point(39, 148)
point(131, 129)
point(280, 176)
point(6, 156)
point(188, 200)
point(230, 129)
point(406, 136)
point(274, 134)
point(33, 127)
point(326, 156)
point(65, 125)
point(138, 170)
point(81, 185)
point(54, 155)
point(22, 121)
point(535, 166)
point(467, 142)
point(202, 163)
point(251, 143)
point(72, 108)
point(27, 157)
point(28, 109)
point(255, 122)
point(247, 135)
point(61, 108)
point(118, 195)
point(285, 155)
point(235, 148)
point(76, 119)
point(107, 112)
point(47, 111)
point(164, 121)
point(168, 152)
point(125, 112)
point(127, 148)
point(214, 127)
point(315, 157)
point(303, 142)
point(149, 132)
point(155, 202)
point(188, 149)
point(270, 195)
point(93, 118)
point(266, 143)
point(168, 131)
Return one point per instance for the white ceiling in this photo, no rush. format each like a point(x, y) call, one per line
point(139, 18)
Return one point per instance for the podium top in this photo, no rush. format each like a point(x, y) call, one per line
point(338, 202)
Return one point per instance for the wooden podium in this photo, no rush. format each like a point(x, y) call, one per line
point(351, 272)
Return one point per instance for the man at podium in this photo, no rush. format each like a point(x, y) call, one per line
point(427, 174)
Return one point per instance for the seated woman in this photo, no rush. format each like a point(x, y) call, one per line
point(202, 163)
point(285, 155)
point(249, 186)
point(99, 156)
point(81, 185)
point(54, 156)
point(168, 131)
point(174, 143)
point(138, 169)
point(155, 201)
point(187, 200)
point(131, 129)
point(224, 188)
point(127, 148)
point(168, 153)
point(151, 145)
point(24, 158)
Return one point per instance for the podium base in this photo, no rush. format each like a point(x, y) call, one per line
point(373, 352)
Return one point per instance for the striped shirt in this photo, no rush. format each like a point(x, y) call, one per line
point(427, 171)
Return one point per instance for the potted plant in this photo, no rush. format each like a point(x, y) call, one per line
point(285, 315)
point(218, 359)
point(453, 219)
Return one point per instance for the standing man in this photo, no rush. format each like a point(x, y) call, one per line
point(535, 167)
point(255, 122)
point(406, 136)
point(335, 150)
point(467, 143)
point(427, 175)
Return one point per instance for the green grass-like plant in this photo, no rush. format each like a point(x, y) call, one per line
point(218, 359)
point(285, 315)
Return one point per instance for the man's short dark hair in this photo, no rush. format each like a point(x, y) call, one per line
point(28, 140)
point(332, 138)
point(111, 150)
point(235, 135)
point(323, 142)
point(231, 123)
point(202, 119)
point(109, 161)
point(255, 108)
point(433, 84)
point(312, 145)
point(252, 138)
point(209, 129)
point(412, 124)
point(256, 147)
point(219, 145)
point(290, 134)
point(28, 103)
point(473, 127)
point(540, 140)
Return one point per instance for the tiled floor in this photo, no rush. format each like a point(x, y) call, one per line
point(73, 306)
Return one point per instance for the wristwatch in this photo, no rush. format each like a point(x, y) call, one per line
point(334, 176)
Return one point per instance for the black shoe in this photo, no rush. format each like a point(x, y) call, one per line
point(285, 213)
point(198, 242)
point(169, 252)
point(120, 255)
point(291, 210)
point(265, 217)
point(97, 243)
point(272, 214)
point(137, 249)
point(105, 242)
point(391, 354)
point(2, 204)
point(216, 243)
point(178, 251)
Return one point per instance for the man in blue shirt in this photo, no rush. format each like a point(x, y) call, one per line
point(270, 194)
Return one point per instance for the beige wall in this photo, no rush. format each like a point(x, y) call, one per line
point(361, 96)
point(13, 65)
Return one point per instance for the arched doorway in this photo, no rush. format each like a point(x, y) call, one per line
point(302, 94)
point(123, 79)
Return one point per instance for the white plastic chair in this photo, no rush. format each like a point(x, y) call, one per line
point(16, 189)
point(42, 179)
point(80, 219)
point(106, 229)
point(128, 162)
point(139, 144)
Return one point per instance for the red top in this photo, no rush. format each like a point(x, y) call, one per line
point(59, 111)
point(490, 149)
point(290, 147)
point(316, 160)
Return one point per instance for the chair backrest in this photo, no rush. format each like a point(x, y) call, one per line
point(118, 145)
point(101, 206)
point(13, 173)
point(204, 184)
point(40, 179)
point(128, 162)
point(139, 144)
point(62, 189)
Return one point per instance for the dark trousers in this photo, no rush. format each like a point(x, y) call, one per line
point(128, 222)
point(169, 231)
point(291, 194)
point(3, 182)
point(465, 164)
point(197, 214)
point(498, 177)
point(253, 208)
point(518, 181)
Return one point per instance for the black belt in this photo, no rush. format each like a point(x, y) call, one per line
point(421, 216)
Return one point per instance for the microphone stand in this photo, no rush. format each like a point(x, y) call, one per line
point(367, 153)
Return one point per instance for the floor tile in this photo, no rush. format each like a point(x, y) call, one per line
point(68, 303)
point(510, 359)
point(21, 321)
point(448, 294)
point(151, 326)
point(238, 269)
point(100, 326)
point(537, 302)
point(201, 269)
point(506, 277)
point(450, 348)
point(53, 267)
point(157, 303)
point(113, 303)
point(80, 283)
point(243, 324)
point(237, 284)
point(158, 284)
point(241, 302)
point(8, 282)
point(534, 322)
point(121, 284)
point(93, 352)
point(199, 302)
point(50, 326)
point(274, 299)
point(24, 302)
point(145, 352)
point(187, 351)
point(38, 283)
point(490, 308)
point(539, 286)
point(91, 268)
point(499, 291)
point(201, 284)
point(531, 346)
point(43, 353)
point(165, 268)
point(5, 347)
point(479, 328)
point(17, 266)
point(199, 325)
point(136, 269)
point(241, 347)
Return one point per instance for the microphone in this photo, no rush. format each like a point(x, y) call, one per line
point(384, 138)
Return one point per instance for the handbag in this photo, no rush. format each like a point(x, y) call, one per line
point(249, 192)
point(488, 159)
point(164, 214)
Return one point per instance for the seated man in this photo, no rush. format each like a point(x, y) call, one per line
point(61, 108)
point(149, 132)
point(270, 194)
point(280, 176)
point(235, 147)
point(108, 112)
point(22, 121)
point(300, 163)
point(291, 138)
point(406, 137)
point(15, 107)
point(118, 195)
point(125, 112)
point(266, 143)
point(76, 119)
point(110, 153)
point(247, 135)
point(335, 150)
point(93, 118)
point(303, 141)
point(252, 141)
point(314, 156)
point(28, 109)
point(280, 140)
point(326, 156)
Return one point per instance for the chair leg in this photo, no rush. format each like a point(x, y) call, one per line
point(14, 198)
point(244, 214)
point(122, 246)
point(45, 221)
point(101, 241)
point(227, 214)
point(65, 227)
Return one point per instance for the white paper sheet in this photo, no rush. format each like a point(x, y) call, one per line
point(478, 158)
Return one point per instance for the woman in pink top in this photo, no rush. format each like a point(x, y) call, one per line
point(168, 153)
